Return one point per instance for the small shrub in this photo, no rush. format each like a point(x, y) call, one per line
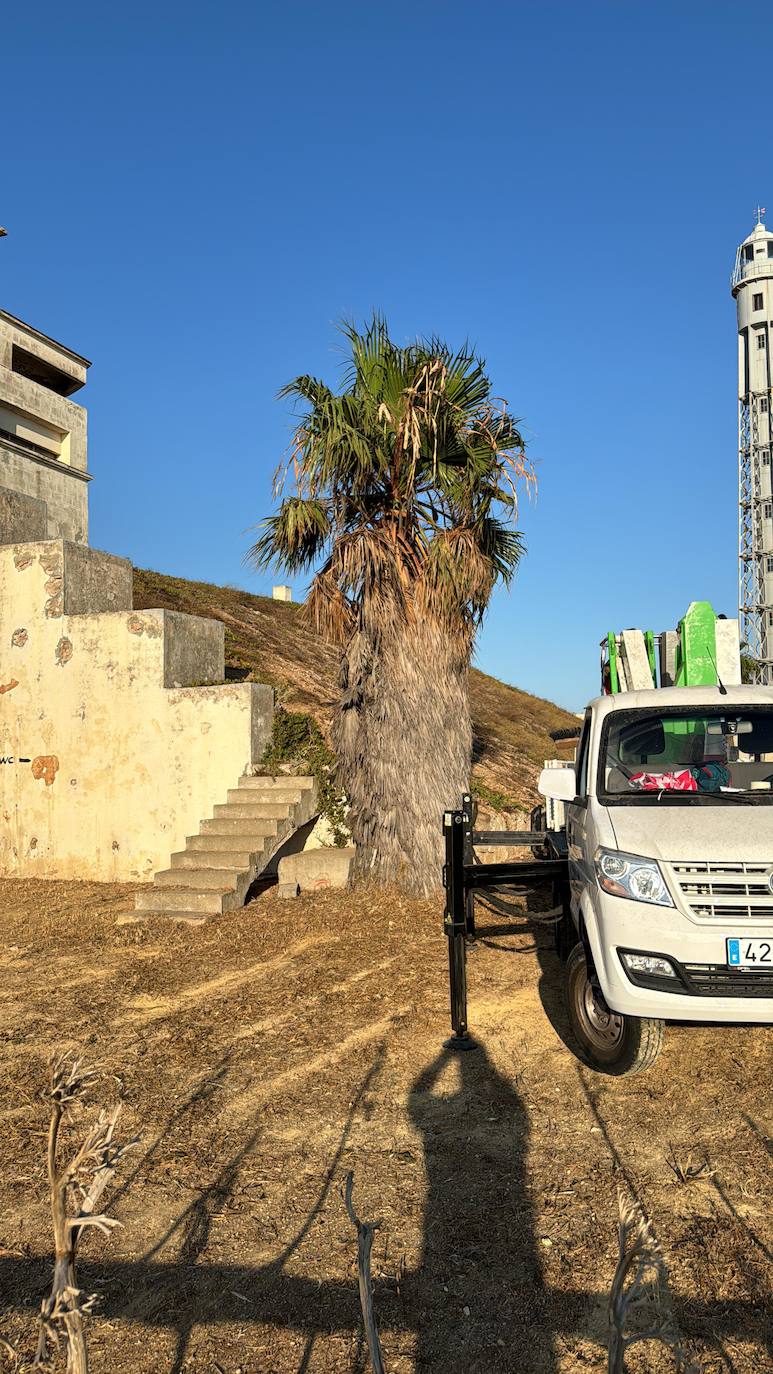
point(496, 800)
point(749, 667)
point(296, 739)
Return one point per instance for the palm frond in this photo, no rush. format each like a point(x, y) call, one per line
point(405, 481)
point(308, 389)
point(503, 547)
point(294, 538)
point(327, 609)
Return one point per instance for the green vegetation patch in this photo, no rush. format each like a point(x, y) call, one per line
point(296, 739)
point(496, 800)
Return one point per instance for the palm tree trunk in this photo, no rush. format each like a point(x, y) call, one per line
point(403, 737)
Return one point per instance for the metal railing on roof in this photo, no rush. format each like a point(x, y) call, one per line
point(745, 270)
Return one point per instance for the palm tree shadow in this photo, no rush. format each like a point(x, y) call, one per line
point(192, 1228)
point(197, 1097)
point(479, 1288)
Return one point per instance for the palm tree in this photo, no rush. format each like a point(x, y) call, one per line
point(405, 497)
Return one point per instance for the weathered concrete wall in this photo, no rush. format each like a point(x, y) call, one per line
point(64, 491)
point(16, 332)
point(78, 580)
point(94, 581)
point(57, 412)
point(43, 450)
point(105, 765)
point(194, 650)
point(22, 518)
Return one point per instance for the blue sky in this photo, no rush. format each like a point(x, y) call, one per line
point(195, 194)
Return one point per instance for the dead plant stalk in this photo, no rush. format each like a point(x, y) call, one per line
point(76, 1186)
point(366, 1230)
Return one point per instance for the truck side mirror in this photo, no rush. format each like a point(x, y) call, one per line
point(560, 784)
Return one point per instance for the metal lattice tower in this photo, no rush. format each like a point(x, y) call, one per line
point(752, 287)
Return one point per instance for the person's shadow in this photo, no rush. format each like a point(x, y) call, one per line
point(478, 1300)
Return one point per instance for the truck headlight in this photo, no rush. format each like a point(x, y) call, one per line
point(650, 965)
point(628, 875)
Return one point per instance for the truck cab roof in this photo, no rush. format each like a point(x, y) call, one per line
point(659, 698)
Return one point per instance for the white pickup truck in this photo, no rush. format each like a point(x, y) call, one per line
point(669, 829)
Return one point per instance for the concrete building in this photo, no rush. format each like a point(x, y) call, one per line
point(43, 476)
point(752, 287)
point(122, 749)
point(112, 745)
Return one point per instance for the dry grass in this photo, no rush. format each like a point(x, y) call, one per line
point(268, 1053)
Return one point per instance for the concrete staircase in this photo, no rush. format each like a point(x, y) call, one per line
point(216, 868)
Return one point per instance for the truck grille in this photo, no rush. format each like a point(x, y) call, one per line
point(726, 891)
point(717, 980)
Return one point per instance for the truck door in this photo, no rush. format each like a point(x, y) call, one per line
point(577, 820)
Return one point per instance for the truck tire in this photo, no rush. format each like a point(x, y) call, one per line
point(610, 1042)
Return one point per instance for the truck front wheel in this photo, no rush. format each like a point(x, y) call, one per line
point(610, 1043)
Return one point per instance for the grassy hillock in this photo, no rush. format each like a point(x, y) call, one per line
point(267, 641)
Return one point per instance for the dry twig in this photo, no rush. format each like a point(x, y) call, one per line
point(688, 1172)
point(76, 1187)
point(17, 1364)
point(365, 1233)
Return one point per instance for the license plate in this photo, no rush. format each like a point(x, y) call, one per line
point(750, 953)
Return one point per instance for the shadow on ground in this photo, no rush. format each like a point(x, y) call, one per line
point(477, 1300)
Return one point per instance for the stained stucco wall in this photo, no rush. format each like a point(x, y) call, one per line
point(111, 752)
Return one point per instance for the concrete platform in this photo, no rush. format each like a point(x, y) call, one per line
point(314, 869)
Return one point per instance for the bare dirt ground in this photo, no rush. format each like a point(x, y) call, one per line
point(262, 1056)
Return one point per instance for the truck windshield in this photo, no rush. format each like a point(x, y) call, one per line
point(698, 755)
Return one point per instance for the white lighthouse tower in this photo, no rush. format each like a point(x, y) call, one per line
point(752, 286)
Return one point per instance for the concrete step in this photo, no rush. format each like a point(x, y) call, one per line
point(248, 796)
point(215, 870)
point(261, 833)
point(284, 782)
point(190, 918)
point(258, 811)
point(231, 858)
point(218, 879)
point(175, 899)
point(241, 826)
